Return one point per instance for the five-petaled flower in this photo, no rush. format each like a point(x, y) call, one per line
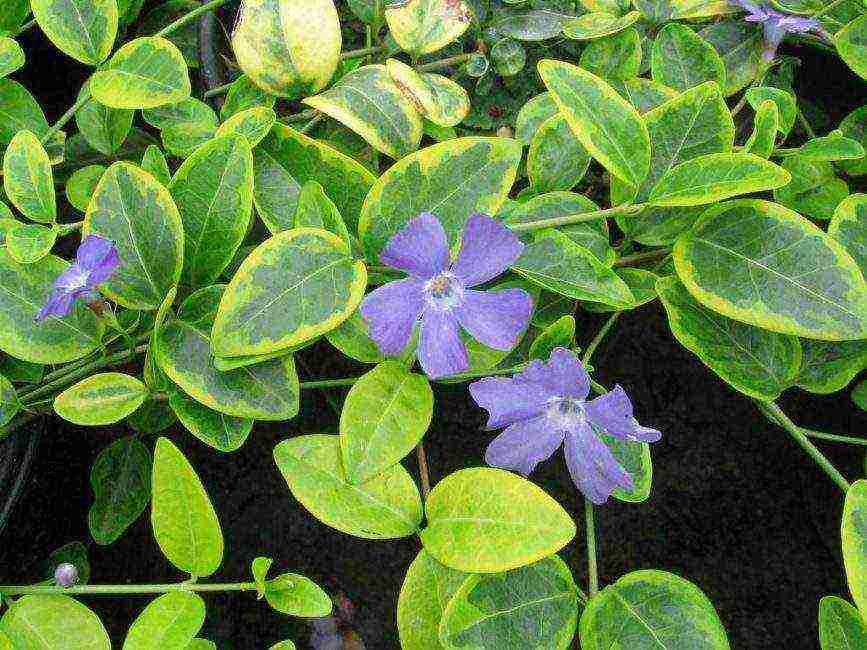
point(95, 262)
point(776, 25)
point(545, 406)
point(440, 294)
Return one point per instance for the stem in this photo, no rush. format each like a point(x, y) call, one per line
point(423, 470)
point(776, 415)
point(806, 125)
point(190, 17)
point(640, 258)
point(565, 220)
point(821, 435)
point(26, 26)
point(303, 116)
point(592, 568)
point(112, 590)
point(329, 383)
point(64, 229)
point(219, 90)
point(827, 8)
point(68, 115)
point(444, 63)
point(307, 128)
point(588, 353)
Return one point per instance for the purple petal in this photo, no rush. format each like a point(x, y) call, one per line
point(391, 311)
point(420, 248)
point(799, 24)
point(488, 248)
point(508, 401)
point(73, 278)
point(104, 270)
point(93, 250)
point(592, 466)
point(524, 445)
point(495, 318)
point(59, 304)
point(562, 375)
point(440, 349)
point(612, 412)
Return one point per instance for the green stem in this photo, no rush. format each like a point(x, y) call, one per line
point(219, 90)
point(806, 125)
point(114, 590)
point(592, 568)
point(423, 472)
point(827, 8)
point(776, 415)
point(26, 26)
point(444, 63)
point(588, 353)
point(821, 435)
point(640, 258)
point(82, 101)
point(190, 17)
point(303, 116)
point(329, 383)
point(568, 219)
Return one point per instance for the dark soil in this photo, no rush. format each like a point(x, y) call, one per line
point(736, 508)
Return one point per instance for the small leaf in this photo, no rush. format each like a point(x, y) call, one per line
point(740, 44)
point(253, 123)
point(832, 147)
point(218, 430)
point(101, 399)
point(829, 366)
point(154, 416)
point(854, 536)
point(105, 129)
point(83, 29)
point(259, 569)
point(538, 25)
point(532, 115)
point(814, 191)
point(169, 621)
point(293, 594)
point(187, 111)
point(43, 622)
point(82, 184)
point(27, 178)
point(11, 56)
point(616, 57)
point(598, 24)
point(840, 625)
point(851, 42)
point(849, 227)
point(425, 26)
point(439, 99)
point(762, 139)
point(244, 94)
point(489, 520)
point(854, 126)
point(9, 404)
point(145, 73)
point(184, 522)
point(785, 101)
point(645, 94)
point(682, 59)
point(387, 507)
point(154, 163)
point(181, 140)
point(556, 160)
point(316, 210)
point(559, 334)
point(29, 243)
point(19, 111)
point(635, 458)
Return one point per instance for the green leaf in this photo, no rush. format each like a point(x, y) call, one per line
point(295, 286)
point(616, 57)
point(316, 210)
point(556, 160)
point(186, 38)
point(452, 179)
point(651, 608)
point(9, 404)
point(641, 283)
point(384, 417)
point(714, 177)
point(295, 157)
point(426, 592)
point(169, 621)
point(265, 391)
point(154, 163)
point(104, 128)
point(762, 264)
point(253, 123)
point(559, 334)
point(682, 59)
point(352, 339)
point(22, 372)
point(554, 262)
point(425, 26)
point(645, 94)
point(830, 365)
point(283, 645)
point(23, 291)
point(28, 243)
point(849, 227)
point(854, 536)
point(754, 361)
point(130, 208)
point(851, 42)
point(104, 398)
point(82, 184)
point(213, 190)
point(533, 607)
point(605, 123)
point(15, 13)
point(186, 111)
point(244, 94)
point(832, 147)
point(814, 190)
point(659, 226)
point(27, 178)
point(488, 520)
point(11, 56)
point(145, 73)
point(83, 29)
point(439, 99)
point(184, 522)
point(387, 507)
point(859, 396)
point(181, 140)
point(532, 115)
point(854, 126)
point(699, 8)
point(369, 102)
point(52, 622)
point(740, 44)
point(785, 101)
point(598, 24)
point(218, 430)
point(19, 111)
point(840, 625)
point(290, 48)
point(635, 458)
point(296, 595)
point(259, 569)
point(766, 124)
point(154, 416)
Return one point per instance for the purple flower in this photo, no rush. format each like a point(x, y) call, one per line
point(439, 293)
point(545, 406)
point(96, 261)
point(776, 25)
point(66, 575)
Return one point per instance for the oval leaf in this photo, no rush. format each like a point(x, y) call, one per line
point(101, 399)
point(28, 243)
point(681, 59)
point(83, 29)
point(598, 24)
point(218, 430)
point(840, 625)
point(170, 621)
point(49, 622)
point(296, 595)
point(121, 482)
point(425, 26)
point(27, 178)
point(854, 536)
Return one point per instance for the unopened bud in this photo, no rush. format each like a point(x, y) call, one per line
point(66, 575)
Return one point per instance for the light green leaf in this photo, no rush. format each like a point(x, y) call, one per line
point(154, 163)
point(531, 26)
point(187, 111)
point(9, 404)
point(50, 622)
point(682, 59)
point(253, 123)
point(296, 595)
point(754, 361)
point(740, 44)
point(840, 625)
point(244, 94)
point(11, 56)
point(27, 178)
point(169, 621)
point(854, 537)
point(218, 430)
point(859, 396)
point(130, 208)
point(181, 140)
point(832, 147)
point(851, 42)
point(598, 24)
point(532, 115)
point(762, 264)
point(426, 592)
point(651, 608)
point(714, 177)
point(605, 123)
point(290, 48)
point(283, 645)
point(616, 57)
point(425, 26)
point(369, 102)
point(23, 291)
point(555, 262)
point(533, 607)
point(83, 29)
point(184, 522)
point(387, 507)
point(28, 242)
point(316, 210)
point(296, 286)
point(213, 190)
point(700, 8)
point(559, 334)
point(849, 227)
point(101, 399)
point(635, 458)
point(645, 94)
point(829, 366)
point(452, 179)
point(13, 16)
point(105, 129)
point(19, 111)
point(259, 569)
point(556, 160)
point(82, 184)
point(854, 126)
point(154, 416)
point(384, 417)
point(814, 191)
point(641, 283)
point(488, 520)
point(785, 101)
point(439, 99)
point(145, 73)
point(766, 124)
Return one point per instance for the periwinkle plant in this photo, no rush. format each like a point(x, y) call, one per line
point(659, 153)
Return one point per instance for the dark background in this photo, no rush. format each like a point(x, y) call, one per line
point(737, 507)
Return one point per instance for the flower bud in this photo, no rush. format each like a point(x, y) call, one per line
point(66, 575)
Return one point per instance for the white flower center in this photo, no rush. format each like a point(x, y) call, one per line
point(566, 411)
point(444, 291)
point(76, 281)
